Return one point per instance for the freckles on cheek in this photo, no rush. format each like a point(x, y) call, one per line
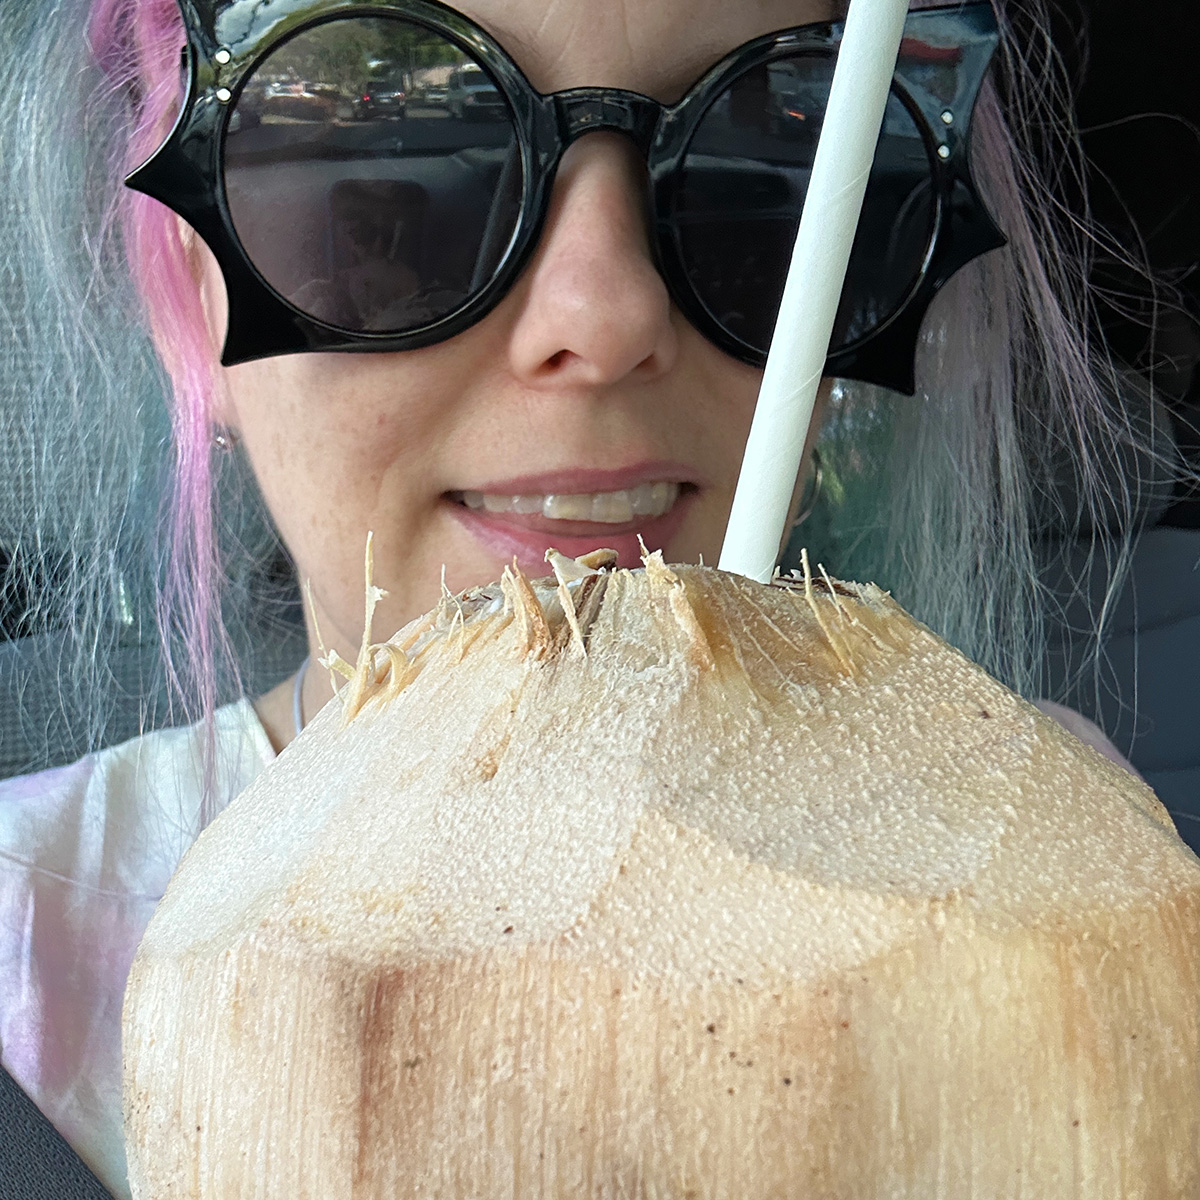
point(339, 440)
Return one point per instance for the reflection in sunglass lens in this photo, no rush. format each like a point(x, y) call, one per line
point(372, 174)
point(743, 185)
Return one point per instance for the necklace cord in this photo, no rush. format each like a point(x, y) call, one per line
point(297, 692)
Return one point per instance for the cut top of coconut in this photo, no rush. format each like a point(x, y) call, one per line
point(599, 763)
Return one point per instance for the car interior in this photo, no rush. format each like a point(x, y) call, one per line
point(1139, 117)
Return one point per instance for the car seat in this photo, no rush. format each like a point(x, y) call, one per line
point(36, 1162)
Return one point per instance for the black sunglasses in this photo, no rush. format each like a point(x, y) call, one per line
point(376, 176)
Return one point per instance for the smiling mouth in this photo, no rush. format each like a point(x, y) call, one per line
point(647, 501)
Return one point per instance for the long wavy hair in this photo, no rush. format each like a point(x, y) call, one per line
point(143, 563)
point(121, 522)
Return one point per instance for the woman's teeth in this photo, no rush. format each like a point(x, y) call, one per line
point(606, 508)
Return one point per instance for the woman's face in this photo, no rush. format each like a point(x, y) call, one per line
point(584, 384)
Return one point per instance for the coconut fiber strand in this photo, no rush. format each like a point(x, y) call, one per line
point(664, 884)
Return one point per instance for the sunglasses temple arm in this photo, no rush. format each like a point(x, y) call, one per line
point(858, 97)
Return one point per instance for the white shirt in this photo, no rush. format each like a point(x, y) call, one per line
point(85, 854)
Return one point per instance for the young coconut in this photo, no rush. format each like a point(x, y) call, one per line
point(664, 883)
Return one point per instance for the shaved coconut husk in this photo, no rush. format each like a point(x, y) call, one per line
point(663, 883)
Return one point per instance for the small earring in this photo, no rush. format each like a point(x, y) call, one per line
point(224, 438)
point(812, 491)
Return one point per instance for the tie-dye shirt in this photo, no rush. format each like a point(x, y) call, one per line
point(85, 854)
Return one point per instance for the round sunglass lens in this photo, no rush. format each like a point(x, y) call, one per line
point(744, 179)
point(372, 174)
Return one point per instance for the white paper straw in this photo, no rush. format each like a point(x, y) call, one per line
point(858, 96)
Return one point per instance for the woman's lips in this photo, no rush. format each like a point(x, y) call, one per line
point(496, 521)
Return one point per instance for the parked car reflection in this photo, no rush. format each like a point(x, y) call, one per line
point(471, 95)
point(379, 99)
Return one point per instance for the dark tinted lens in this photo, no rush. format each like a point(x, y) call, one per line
point(744, 180)
point(372, 173)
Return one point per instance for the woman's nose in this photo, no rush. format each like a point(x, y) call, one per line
point(593, 307)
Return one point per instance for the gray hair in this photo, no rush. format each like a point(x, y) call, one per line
point(1027, 461)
